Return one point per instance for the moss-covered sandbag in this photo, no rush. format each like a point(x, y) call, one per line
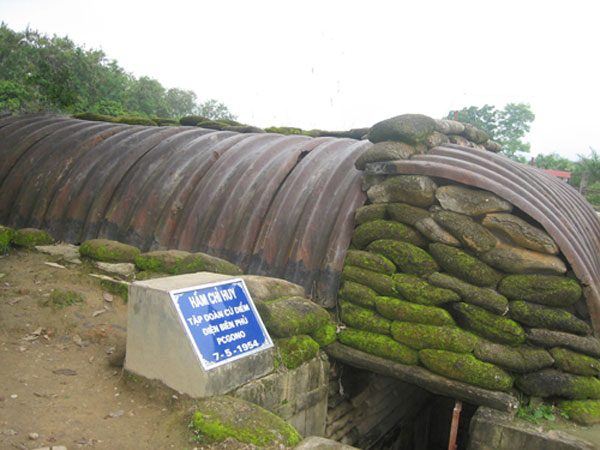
point(380, 283)
point(270, 288)
point(485, 297)
point(378, 345)
point(466, 368)
point(553, 383)
point(416, 290)
point(370, 261)
point(408, 258)
point(522, 233)
point(466, 230)
point(538, 316)
point(108, 251)
point(396, 309)
point(588, 345)
point(549, 290)
point(30, 237)
point(584, 412)
point(573, 362)
point(136, 120)
point(161, 261)
point(521, 359)
point(517, 260)
point(488, 325)
point(364, 319)
point(294, 315)
point(416, 190)
point(464, 266)
point(420, 336)
point(202, 262)
point(358, 294)
point(7, 237)
point(368, 232)
point(409, 128)
point(385, 151)
point(472, 202)
point(93, 117)
point(435, 233)
point(369, 213)
point(191, 120)
point(325, 335)
point(220, 417)
point(296, 350)
point(404, 213)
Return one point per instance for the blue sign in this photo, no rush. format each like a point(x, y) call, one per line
point(221, 322)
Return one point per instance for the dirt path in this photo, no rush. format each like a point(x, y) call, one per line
point(57, 386)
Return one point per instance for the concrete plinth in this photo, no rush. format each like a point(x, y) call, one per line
point(159, 348)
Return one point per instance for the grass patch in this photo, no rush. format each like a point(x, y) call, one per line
point(61, 299)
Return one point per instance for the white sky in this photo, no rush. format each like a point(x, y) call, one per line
point(338, 65)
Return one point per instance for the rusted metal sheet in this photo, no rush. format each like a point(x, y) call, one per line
point(275, 205)
point(560, 209)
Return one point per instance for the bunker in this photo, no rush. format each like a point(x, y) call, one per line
point(298, 208)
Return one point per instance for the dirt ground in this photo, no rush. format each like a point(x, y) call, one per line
point(57, 384)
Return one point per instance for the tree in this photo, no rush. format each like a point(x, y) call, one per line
point(214, 110)
point(180, 103)
point(554, 161)
point(507, 127)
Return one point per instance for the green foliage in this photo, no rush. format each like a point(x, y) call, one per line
point(554, 161)
point(212, 109)
point(536, 414)
point(506, 127)
point(61, 299)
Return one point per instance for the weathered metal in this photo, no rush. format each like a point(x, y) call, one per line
point(560, 209)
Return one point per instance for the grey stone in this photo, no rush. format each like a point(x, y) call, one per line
point(268, 288)
point(466, 230)
point(385, 151)
point(124, 270)
point(521, 232)
point(588, 345)
point(66, 252)
point(475, 135)
point(519, 260)
point(371, 180)
point(470, 201)
point(416, 190)
point(435, 139)
point(460, 140)
point(449, 126)
point(429, 228)
point(319, 443)
point(409, 128)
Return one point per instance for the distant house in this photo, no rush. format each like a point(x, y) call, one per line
point(563, 175)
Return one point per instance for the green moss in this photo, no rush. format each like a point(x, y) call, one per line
point(488, 325)
point(93, 117)
point(368, 232)
point(358, 294)
point(135, 120)
point(396, 309)
point(212, 124)
point(287, 130)
point(7, 237)
point(30, 237)
point(116, 287)
point(539, 316)
point(420, 336)
point(378, 345)
point(408, 258)
point(325, 335)
point(364, 319)
point(572, 362)
point(464, 266)
point(61, 299)
point(466, 368)
point(519, 359)
point(370, 261)
point(167, 261)
point(294, 315)
point(466, 230)
point(404, 213)
point(108, 251)
point(380, 283)
point(163, 121)
point(296, 350)
point(202, 262)
point(584, 412)
point(416, 290)
point(552, 383)
point(549, 290)
point(369, 213)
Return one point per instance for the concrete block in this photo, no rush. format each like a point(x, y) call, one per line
point(158, 346)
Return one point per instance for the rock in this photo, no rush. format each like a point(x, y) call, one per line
point(385, 151)
point(379, 345)
point(417, 290)
point(319, 443)
point(268, 288)
point(521, 359)
point(294, 315)
point(66, 252)
point(358, 294)
point(470, 201)
point(364, 319)
point(408, 258)
point(547, 338)
point(369, 181)
point(33, 436)
point(167, 261)
point(296, 350)
point(396, 309)
point(123, 270)
point(521, 232)
point(416, 190)
point(216, 418)
point(484, 297)
point(538, 316)
point(420, 336)
point(108, 251)
point(370, 261)
point(518, 260)
point(549, 290)
point(407, 214)
point(409, 128)
point(368, 232)
point(573, 362)
point(31, 237)
point(475, 135)
point(202, 262)
point(584, 412)
point(435, 233)
point(466, 230)
point(551, 383)
point(490, 326)
point(369, 213)
point(449, 126)
point(466, 368)
point(464, 266)
point(436, 139)
point(380, 283)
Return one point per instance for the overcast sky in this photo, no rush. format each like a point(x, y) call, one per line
point(347, 64)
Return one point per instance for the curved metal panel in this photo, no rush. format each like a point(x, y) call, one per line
point(560, 209)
